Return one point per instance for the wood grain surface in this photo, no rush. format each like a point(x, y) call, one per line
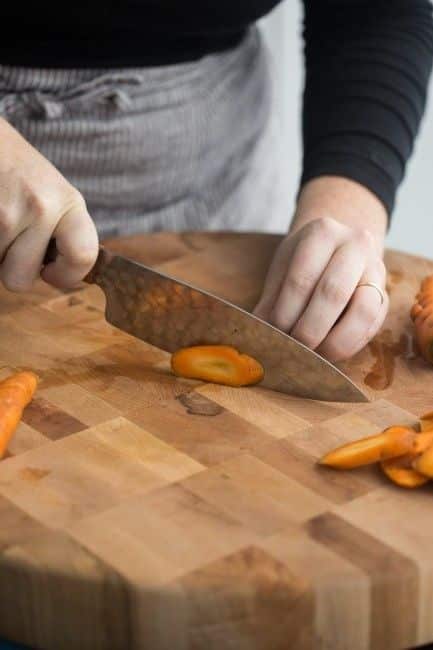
point(141, 511)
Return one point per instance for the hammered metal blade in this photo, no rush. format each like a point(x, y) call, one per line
point(171, 314)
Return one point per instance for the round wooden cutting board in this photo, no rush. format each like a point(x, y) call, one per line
point(140, 511)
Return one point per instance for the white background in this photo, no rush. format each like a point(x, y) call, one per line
point(412, 224)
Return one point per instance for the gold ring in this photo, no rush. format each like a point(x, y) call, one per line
point(375, 286)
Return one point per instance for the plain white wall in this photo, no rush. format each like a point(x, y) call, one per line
point(412, 224)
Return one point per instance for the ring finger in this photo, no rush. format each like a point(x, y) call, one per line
point(331, 295)
point(362, 320)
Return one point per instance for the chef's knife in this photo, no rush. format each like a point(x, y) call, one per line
point(171, 314)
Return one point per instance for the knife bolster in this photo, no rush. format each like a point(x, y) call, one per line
point(103, 260)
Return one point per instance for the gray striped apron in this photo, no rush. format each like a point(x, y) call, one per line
point(191, 146)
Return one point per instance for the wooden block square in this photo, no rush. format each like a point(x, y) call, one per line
point(342, 590)
point(78, 402)
point(260, 497)
point(35, 351)
point(249, 597)
point(50, 420)
point(397, 519)
point(17, 526)
point(26, 438)
point(88, 472)
point(320, 439)
point(125, 376)
point(199, 427)
point(384, 414)
point(179, 528)
point(53, 592)
point(302, 467)
point(394, 577)
point(255, 407)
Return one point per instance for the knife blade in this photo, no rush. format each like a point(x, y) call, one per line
point(171, 314)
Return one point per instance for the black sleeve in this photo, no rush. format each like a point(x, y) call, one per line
point(367, 68)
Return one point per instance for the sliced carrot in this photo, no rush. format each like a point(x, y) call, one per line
point(424, 462)
point(15, 393)
point(422, 442)
point(391, 443)
point(220, 364)
point(426, 421)
point(401, 472)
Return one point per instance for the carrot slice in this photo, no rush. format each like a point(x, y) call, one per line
point(15, 393)
point(220, 364)
point(422, 442)
point(401, 472)
point(424, 462)
point(426, 421)
point(391, 443)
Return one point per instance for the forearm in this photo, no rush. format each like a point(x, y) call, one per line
point(345, 201)
point(367, 69)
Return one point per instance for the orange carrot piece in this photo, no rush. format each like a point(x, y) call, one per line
point(15, 393)
point(424, 462)
point(391, 443)
point(422, 316)
point(401, 472)
point(220, 364)
point(426, 421)
point(422, 442)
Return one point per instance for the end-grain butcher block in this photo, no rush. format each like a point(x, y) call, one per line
point(147, 512)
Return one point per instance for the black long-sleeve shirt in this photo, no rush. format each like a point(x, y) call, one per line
point(367, 65)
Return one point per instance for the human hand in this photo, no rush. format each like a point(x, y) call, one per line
point(37, 204)
point(312, 289)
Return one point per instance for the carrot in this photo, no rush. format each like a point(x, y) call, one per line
point(401, 471)
point(220, 364)
point(426, 421)
point(422, 316)
point(424, 460)
point(393, 442)
point(15, 393)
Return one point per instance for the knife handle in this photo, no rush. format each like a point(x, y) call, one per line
point(104, 258)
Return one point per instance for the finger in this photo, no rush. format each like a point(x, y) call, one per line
point(10, 229)
point(23, 260)
point(77, 246)
point(362, 320)
point(275, 277)
point(309, 260)
point(331, 295)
